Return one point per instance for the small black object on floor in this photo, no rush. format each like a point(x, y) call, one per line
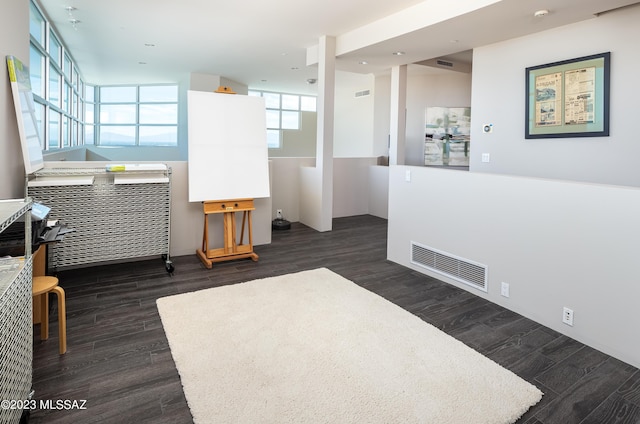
point(280, 224)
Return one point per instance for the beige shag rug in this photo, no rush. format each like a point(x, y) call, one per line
point(313, 347)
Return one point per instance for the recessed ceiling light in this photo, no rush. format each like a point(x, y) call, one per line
point(363, 62)
point(454, 41)
point(398, 53)
point(540, 13)
point(149, 45)
point(74, 21)
point(142, 63)
point(293, 68)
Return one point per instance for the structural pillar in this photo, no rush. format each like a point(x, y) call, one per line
point(317, 183)
point(398, 122)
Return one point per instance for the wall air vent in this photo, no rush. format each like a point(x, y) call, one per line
point(444, 63)
point(460, 269)
point(363, 93)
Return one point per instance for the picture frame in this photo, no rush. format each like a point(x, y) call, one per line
point(569, 98)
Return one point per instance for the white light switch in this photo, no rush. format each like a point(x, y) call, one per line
point(407, 175)
point(486, 157)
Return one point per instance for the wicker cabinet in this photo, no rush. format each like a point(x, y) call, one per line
point(16, 341)
point(116, 217)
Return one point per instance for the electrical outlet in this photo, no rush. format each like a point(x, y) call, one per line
point(407, 175)
point(279, 213)
point(504, 289)
point(567, 316)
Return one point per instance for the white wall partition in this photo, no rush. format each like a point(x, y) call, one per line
point(379, 191)
point(351, 186)
point(285, 190)
point(540, 214)
point(555, 243)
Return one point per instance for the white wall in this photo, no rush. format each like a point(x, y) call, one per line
point(14, 40)
point(379, 191)
point(556, 243)
point(450, 89)
point(381, 116)
point(351, 186)
point(146, 153)
point(301, 142)
point(285, 190)
point(353, 116)
point(446, 89)
point(498, 98)
point(353, 122)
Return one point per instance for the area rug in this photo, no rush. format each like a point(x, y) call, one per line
point(313, 347)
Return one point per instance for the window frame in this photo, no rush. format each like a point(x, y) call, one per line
point(136, 125)
point(271, 106)
point(61, 107)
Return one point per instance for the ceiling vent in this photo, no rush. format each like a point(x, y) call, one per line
point(363, 93)
point(444, 63)
point(459, 269)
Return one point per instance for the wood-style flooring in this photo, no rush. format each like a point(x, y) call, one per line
point(118, 359)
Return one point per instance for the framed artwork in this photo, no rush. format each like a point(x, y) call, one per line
point(447, 136)
point(568, 98)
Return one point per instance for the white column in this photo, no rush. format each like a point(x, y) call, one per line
point(398, 122)
point(316, 209)
point(324, 148)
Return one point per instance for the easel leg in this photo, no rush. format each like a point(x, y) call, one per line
point(244, 218)
point(202, 253)
point(254, 256)
point(205, 235)
point(250, 231)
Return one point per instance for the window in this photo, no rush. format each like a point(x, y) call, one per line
point(308, 104)
point(89, 113)
point(71, 113)
point(36, 71)
point(56, 85)
point(37, 25)
point(137, 115)
point(55, 49)
point(283, 113)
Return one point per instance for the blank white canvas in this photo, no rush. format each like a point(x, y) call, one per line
point(228, 154)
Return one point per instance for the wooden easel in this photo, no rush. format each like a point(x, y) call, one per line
point(232, 249)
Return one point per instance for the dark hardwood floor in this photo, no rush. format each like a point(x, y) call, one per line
point(118, 359)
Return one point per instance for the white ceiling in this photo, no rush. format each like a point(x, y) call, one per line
point(264, 44)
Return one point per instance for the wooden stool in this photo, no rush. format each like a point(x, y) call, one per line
point(42, 286)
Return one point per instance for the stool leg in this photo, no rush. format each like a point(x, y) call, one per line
point(44, 316)
point(62, 319)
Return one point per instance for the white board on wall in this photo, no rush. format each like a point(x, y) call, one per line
point(26, 114)
point(228, 154)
